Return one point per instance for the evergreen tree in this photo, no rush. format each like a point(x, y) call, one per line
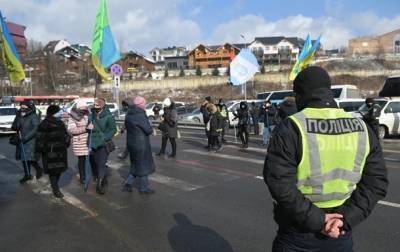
point(198, 71)
point(215, 72)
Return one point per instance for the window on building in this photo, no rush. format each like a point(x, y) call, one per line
point(397, 46)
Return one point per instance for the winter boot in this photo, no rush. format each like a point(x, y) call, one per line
point(101, 186)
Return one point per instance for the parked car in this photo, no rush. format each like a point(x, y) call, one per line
point(389, 121)
point(350, 105)
point(194, 117)
point(184, 110)
point(7, 116)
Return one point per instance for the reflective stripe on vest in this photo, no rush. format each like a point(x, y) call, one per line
point(331, 164)
point(222, 111)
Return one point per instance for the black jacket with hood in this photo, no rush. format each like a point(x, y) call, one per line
point(294, 212)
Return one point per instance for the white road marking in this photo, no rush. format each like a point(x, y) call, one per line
point(165, 180)
point(259, 177)
point(218, 155)
point(175, 183)
point(71, 199)
point(2, 156)
point(387, 203)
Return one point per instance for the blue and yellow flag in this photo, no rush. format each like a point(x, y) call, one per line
point(10, 56)
point(104, 50)
point(305, 57)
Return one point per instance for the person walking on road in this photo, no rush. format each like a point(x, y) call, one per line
point(103, 127)
point(138, 141)
point(324, 168)
point(244, 121)
point(26, 124)
point(169, 127)
point(224, 115)
point(214, 127)
point(255, 114)
point(125, 106)
point(52, 143)
point(77, 123)
point(371, 116)
point(206, 118)
point(268, 114)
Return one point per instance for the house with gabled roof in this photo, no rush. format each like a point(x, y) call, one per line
point(214, 56)
point(133, 61)
point(276, 49)
point(17, 33)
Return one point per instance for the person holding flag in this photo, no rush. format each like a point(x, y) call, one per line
point(104, 54)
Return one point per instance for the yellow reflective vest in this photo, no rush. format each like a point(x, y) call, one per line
point(335, 147)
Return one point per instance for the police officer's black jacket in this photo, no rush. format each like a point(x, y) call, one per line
point(292, 211)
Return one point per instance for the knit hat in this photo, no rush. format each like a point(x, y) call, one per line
point(52, 110)
point(167, 102)
point(140, 102)
point(81, 104)
point(310, 79)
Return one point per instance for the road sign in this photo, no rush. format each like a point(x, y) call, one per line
point(116, 70)
point(116, 82)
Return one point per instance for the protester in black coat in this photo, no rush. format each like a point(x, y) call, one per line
point(26, 124)
point(214, 127)
point(287, 108)
point(255, 115)
point(206, 118)
point(371, 117)
point(244, 120)
point(138, 142)
point(169, 127)
point(297, 217)
point(52, 143)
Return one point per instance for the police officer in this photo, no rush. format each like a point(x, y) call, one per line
point(324, 168)
point(224, 115)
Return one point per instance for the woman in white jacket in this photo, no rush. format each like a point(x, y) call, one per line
point(77, 123)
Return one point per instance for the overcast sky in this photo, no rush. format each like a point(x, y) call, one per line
point(144, 24)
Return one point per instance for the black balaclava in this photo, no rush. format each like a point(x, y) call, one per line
point(313, 89)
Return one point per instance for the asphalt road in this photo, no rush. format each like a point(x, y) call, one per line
point(203, 202)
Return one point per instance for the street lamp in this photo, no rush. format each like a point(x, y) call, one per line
point(29, 69)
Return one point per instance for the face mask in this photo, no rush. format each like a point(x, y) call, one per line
point(59, 114)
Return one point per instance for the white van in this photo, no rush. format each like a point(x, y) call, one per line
point(350, 105)
point(339, 92)
point(389, 121)
point(345, 92)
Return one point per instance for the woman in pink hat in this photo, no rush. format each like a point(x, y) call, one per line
point(77, 123)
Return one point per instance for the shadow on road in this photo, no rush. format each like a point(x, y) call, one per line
point(186, 236)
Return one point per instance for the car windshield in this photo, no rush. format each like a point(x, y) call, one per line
point(263, 96)
point(8, 111)
point(281, 95)
point(149, 105)
point(381, 104)
point(336, 92)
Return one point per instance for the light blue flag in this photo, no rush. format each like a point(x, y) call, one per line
point(243, 67)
